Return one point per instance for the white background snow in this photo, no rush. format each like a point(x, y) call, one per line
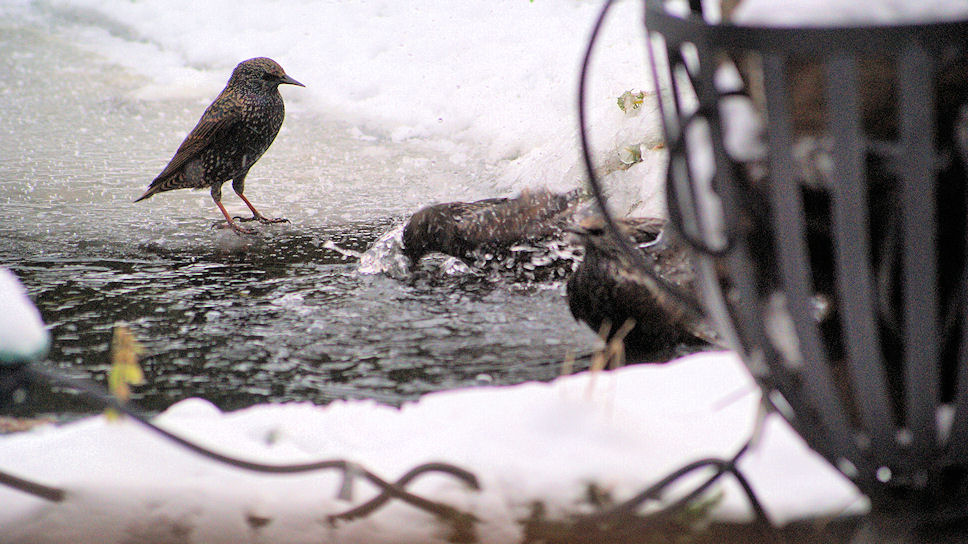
point(497, 75)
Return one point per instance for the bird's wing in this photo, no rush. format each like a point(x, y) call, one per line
point(507, 221)
point(220, 117)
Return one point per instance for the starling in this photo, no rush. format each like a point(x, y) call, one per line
point(504, 232)
point(232, 134)
point(607, 289)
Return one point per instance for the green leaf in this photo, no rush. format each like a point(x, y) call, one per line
point(630, 155)
point(630, 102)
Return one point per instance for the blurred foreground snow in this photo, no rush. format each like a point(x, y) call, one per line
point(547, 442)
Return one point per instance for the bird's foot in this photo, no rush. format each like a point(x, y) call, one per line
point(264, 220)
point(238, 229)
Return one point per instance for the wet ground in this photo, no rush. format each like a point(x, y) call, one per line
point(242, 320)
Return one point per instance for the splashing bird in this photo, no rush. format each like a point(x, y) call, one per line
point(233, 133)
point(495, 232)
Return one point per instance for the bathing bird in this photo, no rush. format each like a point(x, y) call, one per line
point(233, 133)
point(517, 235)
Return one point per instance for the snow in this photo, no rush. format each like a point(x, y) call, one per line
point(621, 430)
point(22, 333)
point(838, 12)
point(495, 78)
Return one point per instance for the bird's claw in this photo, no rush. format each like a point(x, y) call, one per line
point(243, 230)
point(238, 229)
point(264, 220)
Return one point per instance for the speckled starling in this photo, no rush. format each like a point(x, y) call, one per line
point(501, 232)
point(231, 136)
point(608, 289)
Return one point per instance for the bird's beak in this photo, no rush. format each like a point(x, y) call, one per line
point(290, 81)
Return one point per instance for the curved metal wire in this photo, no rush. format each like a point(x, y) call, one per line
point(349, 469)
point(46, 492)
point(722, 467)
point(395, 490)
point(640, 260)
point(373, 504)
point(677, 147)
point(686, 300)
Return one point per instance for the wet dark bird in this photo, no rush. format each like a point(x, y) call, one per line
point(607, 289)
point(231, 136)
point(504, 232)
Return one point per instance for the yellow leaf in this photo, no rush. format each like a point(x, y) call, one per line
point(125, 371)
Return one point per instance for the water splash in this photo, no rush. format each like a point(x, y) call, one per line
point(386, 256)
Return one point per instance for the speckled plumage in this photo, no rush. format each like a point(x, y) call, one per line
point(497, 232)
point(456, 228)
point(233, 133)
point(607, 287)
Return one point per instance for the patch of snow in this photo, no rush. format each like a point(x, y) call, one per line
point(22, 334)
point(620, 430)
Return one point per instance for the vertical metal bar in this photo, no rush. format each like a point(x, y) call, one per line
point(855, 294)
point(658, 53)
point(679, 164)
point(957, 447)
point(713, 234)
point(790, 237)
point(674, 54)
point(918, 198)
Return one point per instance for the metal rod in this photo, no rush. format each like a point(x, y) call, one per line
point(920, 287)
point(794, 268)
point(856, 300)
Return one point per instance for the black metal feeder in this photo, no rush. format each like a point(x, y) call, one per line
point(833, 256)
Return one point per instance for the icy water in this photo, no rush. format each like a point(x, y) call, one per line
point(241, 320)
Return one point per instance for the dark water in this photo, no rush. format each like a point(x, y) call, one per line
point(238, 321)
point(287, 320)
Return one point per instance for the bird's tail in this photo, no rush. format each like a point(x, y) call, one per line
point(151, 191)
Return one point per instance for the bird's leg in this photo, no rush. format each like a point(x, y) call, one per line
point(217, 197)
point(238, 185)
point(256, 216)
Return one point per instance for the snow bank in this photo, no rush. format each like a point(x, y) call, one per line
point(533, 442)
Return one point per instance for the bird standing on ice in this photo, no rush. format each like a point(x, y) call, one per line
point(231, 136)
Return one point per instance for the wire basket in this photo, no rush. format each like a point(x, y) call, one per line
point(820, 173)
